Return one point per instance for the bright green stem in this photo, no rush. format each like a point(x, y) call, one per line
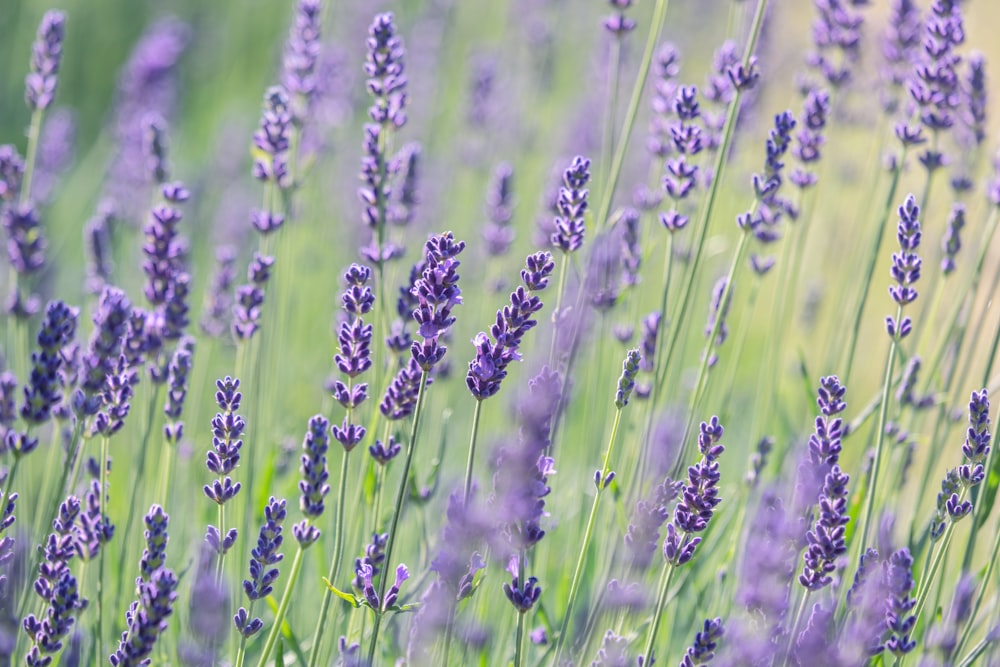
point(556, 313)
point(286, 599)
point(220, 564)
point(614, 78)
point(338, 545)
point(397, 510)
point(104, 547)
point(581, 560)
point(472, 449)
point(659, 13)
point(241, 652)
point(519, 637)
point(879, 437)
point(980, 596)
point(702, 381)
point(873, 258)
point(166, 468)
point(927, 580)
point(661, 601)
point(705, 214)
point(31, 155)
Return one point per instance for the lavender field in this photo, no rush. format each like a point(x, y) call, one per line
point(533, 333)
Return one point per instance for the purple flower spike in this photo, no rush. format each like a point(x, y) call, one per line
point(384, 68)
point(826, 540)
point(46, 56)
point(437, 292)
point(571, 205)
point(385, 452)
point(497, 232)
point(265, 553)
point(227, 428)
point(110, 324)
point(154, 555)
point(618, 24)
point(522, 596)
point(977, 441)
point(314, 485)
point(272, 141)
point(11, 173)
point(146, 619)
point(538, 269)
point(43, 391)
point(626, 382)
point(302, 52)
point(905, 265)
point(952, 241)
point(898, 621)
point(705, 642)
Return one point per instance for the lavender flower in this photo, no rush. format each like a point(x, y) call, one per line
point(977, 442)
point(146, 619)
point(522, 595)
point(262, 557)
point(571, 205)
point(354, 357)
point(810, 139)
point(934, 87)
point(626, 382)
point(250, 298)
point(208, 614)
point(401, 395)
point(384, 68)
point(154, 140)
point(497, 232)
point(116, 395)
point(643, 535)
point(973, 105)
point(705, 643)
point(177, 380)
point(47, 634)
point(631, 251)
point(97, 241)
point(46, 56)
point(314, 485)
point(385, 452)
point(227, 427)
point(26, 242)
point(110, 322)
point(94, 528)
point(155, 553)
point(302, 51)
point(218, 297)
point(952, 241)
point(826, 539)
point(681, 174)
point(717, 313)
point(905, 266)
point(437, 292)
point(11, 173)
point(613, 652)
point(618, 24)
point(272, 142)
point(837, 29)
point(825, 441)
point(699, 498)
point(898, 621)
point(365, 573)
point(373, 557)
point(401, 209)
point(42, 392)
point(900, 43)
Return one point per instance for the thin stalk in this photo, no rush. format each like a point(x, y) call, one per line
point(661, 600)
point(338, 545)
point(31, 155)
point(581, 560)
point(659, 13)
point(104, 547)
point(879, 437)
point(557, 312)
point(873, 258)
point(220, 564)
point(286, 598)
point(519, 637)
point(928, 579)
point(472, 449)
point(397, 510)
point(614, 78)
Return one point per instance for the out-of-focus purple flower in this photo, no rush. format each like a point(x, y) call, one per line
point(11, 173)
point(404, 200)
point(618, 24)
point(717, 313)
point(55, 152)
point(208, 614)
point(666, 68)
point(384, 68)
point(46, 56)
point(497, 232)
point(482, 83)
point(626, 381)
point(250, 298)
point(898, 621)
point(110, 323)
point(706, 641)
point(631, 251)
point(155, 553)
point(944, 636)
point(698, 499)
point(26, 242)
point(810, 139)
point(613, 652)
point(302, 51)
point(218, 297)
point(972, 114)
point(154, 147)
point(647, 344)
point(164, 248)
point(146, 619)
point(272, 141)
point(952, 241)
point(437, 292)
point(687, 138)
point(97, 241)
point(826, 539)
point(905, 266)
point(177, 381)
point(643, 535)
point(314, 485)
point(571, 205)
point(373, 557)
point(262, 557)
point(43, 391)
point(836, 36)
point(227, 429)
point(900, 44)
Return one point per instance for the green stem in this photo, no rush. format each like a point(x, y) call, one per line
point(557, 311)
point(928, 580)
point(397, 510)
point(661, 600)
point(104, 547)
point(31, 155)
point(472, 449)
point(334, 574)
point(519, 637)
point(581, 560)
point(659, 13)
point(286, 598)
point(879, 437)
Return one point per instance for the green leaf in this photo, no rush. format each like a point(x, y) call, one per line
point(347, 597)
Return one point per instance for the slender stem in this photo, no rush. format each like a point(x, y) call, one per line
point(614, 78)
point(519, 638)
point(879, 437)
point(338, 546)
point(928, 580)
point(659, 13)
point(557, 312)
point(581, 559)
point(661, 601)
point(286, 598)
point(31, 155)
point(472, 449)
point(219, 564)
point(400, 495)
point(104, 547)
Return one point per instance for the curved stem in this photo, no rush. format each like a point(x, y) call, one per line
point(472, 449)
point(400, 494)
point(286, 598)
point(581, 559)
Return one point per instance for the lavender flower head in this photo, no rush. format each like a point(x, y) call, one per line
point(110, 322)
point(271, 143)
point(898, 621)
point(905, 266)
point(837, 29)
point(571, 206)
point(437, 292)
point(717, 313)
point(826, 540)
point(302, 51)
point(706, 641)
point(699, 498)
point(43, 391)
point(46, 56)
point(497, 231)
point(250, 298)
point(977, 441)
point(354, 357)
point(314, 485)
point(227, 429)
point(626, 382)
point(952, 241)
point(146, 619)
point(262, 557)
point(384, 69)
point(618, 24)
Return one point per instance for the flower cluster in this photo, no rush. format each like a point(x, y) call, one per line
point(177, 386)
point(302, 51)
point(437, 292)
point(706, 641)
point(43, 391)
point(222, 459)
point(952, 241)
point(262, 575)
point(899, 623)
point(826, 540)
point(905, 266)
point(572, 205)
point(272, 140)
point(810, 139)
point(837, 37)
point(46, 56)
point(497, 232)
point(313, 485)
point(250, 298)
point(681, 174)
point(354, 358)
point(513, 321)
point(698, 499)
point(99, 362)
point(977, 440)
point(626, 381)
point(365, 573)
point(660, 144)
point(618, 24)
point(146, 619)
